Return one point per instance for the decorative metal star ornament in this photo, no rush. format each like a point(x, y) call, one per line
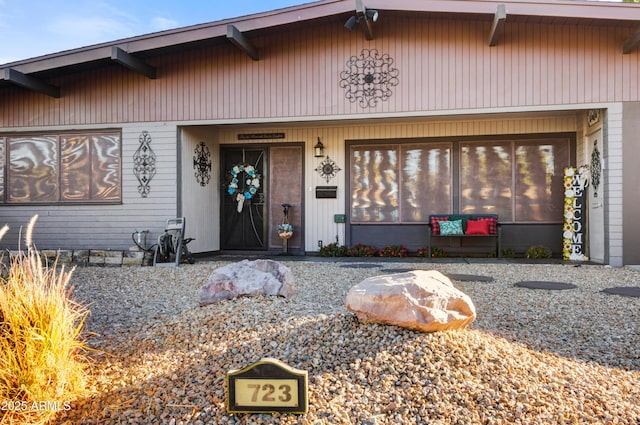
point(327, 169)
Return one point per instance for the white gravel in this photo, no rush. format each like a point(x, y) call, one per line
point(531, 356)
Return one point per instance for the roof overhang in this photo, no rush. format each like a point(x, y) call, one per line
point(132, 52)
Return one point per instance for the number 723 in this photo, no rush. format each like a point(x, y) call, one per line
point(266, 392)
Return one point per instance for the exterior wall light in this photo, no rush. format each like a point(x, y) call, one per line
point(370, 15)
point(318, 149)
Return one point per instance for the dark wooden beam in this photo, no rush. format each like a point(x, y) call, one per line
point(631, 43)
point(365, 23)
point(31, 83)
point(240, 41)
point(498, 23)
point(133, 63)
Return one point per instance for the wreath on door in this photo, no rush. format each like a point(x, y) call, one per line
point(244, 183)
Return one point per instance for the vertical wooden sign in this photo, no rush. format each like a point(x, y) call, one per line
point(574, 229)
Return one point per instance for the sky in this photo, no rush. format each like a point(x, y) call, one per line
point(30, 28)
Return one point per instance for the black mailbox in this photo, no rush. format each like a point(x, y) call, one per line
point(326, 192)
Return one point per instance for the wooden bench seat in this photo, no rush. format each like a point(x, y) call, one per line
point(457, 226)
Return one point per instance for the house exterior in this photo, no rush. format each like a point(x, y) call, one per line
point(424, 107)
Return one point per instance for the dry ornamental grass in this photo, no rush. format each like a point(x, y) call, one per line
point(42, 353)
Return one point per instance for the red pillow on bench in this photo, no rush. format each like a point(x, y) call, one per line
point(477, 227)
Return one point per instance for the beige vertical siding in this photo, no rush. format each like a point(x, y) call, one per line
point(444, 64)
point(108, 226)
point(200, 204)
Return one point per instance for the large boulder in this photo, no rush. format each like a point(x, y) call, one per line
point(247, 278)
point(421, 300)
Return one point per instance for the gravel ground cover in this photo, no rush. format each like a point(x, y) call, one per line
point(531, 356)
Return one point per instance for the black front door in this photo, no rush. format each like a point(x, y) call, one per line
point(243, 215)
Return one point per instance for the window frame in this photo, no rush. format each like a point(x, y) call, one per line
point(5, 158)
point(456, 164)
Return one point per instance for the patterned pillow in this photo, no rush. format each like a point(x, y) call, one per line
point(451, 228)
point(463, 218)
point(435, 224)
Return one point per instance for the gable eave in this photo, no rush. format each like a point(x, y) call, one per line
point(215, 32)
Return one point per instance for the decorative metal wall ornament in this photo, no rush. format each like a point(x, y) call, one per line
point(596, 168)
point(144, 164)
point(369, 78)
point(593, 116)
point(202, 164)
point(327, 169)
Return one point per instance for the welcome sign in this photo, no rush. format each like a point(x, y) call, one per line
point(573, 231)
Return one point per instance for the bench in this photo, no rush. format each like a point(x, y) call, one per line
point(458, 226)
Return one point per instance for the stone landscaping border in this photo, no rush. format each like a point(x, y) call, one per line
point(92, 257)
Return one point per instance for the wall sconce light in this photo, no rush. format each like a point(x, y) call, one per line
point(318, 149)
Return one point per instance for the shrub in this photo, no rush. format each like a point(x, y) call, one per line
point(398, 251)
point(435, 252)
point(508, 253)
point(43, 362)
point(538, 251)
point(333, 250)
point(361, 250)
point(422, 252)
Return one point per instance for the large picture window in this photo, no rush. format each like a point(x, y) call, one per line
point(399, 183)
point(374, 184)
point(51, 169)
point(520, 180)
point(486, 178)
point(539, 170)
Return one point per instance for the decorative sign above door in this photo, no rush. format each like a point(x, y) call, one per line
point(368, 78)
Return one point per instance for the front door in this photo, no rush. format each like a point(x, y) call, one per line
point(244, 207)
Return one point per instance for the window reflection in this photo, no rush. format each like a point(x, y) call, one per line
point(33, 169)
point(67, 168)
point(521, 180)
point(485, 178)
point(374, 194)
point(426, 181)
point(539, 189)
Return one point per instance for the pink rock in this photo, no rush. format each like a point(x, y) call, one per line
point(420, 300)
point(247, 278)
